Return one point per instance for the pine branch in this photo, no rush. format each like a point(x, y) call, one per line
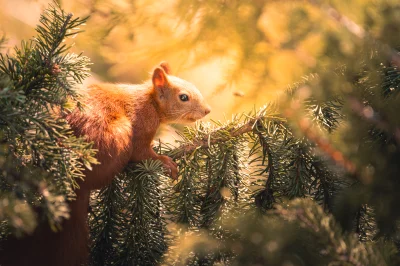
point(213, 139)
point(370, 115)
point(106, 222)
point(184, 204)
point(226, 133)
point(342, 248)
point(35, 80)
point(144, 241)
point(264, 198)
point(356, 30)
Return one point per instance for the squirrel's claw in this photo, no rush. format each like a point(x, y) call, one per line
point(171, 168)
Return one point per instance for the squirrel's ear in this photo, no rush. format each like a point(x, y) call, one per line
point(164, 65)
point(159, 78)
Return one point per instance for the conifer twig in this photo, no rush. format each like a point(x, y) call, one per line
point(211, 139)
point(368, 113)
point(356, 30)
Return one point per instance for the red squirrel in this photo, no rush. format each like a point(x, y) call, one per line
point(121, 121)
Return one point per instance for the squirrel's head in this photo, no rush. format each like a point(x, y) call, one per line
point(178, 100)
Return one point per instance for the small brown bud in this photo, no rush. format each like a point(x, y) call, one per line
point(238, 94)
point(55, 69)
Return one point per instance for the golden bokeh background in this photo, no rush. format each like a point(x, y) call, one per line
point(240, 54)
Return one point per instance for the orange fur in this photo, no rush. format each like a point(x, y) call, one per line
point(121, 121)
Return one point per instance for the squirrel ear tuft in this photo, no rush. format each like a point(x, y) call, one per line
point(159, 78)
point(164, 65)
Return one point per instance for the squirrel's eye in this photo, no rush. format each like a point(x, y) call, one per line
point(184, 97)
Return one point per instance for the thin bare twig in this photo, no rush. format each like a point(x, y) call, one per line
point(356, 30)
point(213, 139)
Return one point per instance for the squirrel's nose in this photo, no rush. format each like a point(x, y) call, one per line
point(207, 110)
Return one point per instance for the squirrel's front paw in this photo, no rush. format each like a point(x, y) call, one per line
point(171, 168)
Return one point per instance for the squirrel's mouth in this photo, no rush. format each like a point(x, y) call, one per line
point(190, 119)
point(193, 117)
